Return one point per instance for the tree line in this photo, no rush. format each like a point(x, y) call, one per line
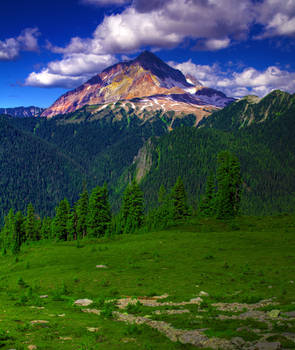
point(91, 216)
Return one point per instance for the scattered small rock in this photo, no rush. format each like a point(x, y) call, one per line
point(164, 296)
point(197, 300)
point(128, 340)
point(83, 302)
point(43, 296)
point(203, 294)
point(274, 313)
point(92, 311)
point(267, 346)
point(65, 338)
point(37, 307)
point(101, 267)
point(32, 347)
point(61, 315)
point(291, 282)
point(234, 307)
point(238, 341)
point(269, 287)
point(39, 322)
point(290, 314)
point(171, 312)
point(92, 329)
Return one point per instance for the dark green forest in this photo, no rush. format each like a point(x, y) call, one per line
point(44, 161)
point(91, 216)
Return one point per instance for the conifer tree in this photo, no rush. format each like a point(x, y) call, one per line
point(61, 220)
point(30, 224)
point(207, 203)
point(180, 208)
point(162, 195)
point(132, 208)
point(99, 213)
point(160, 216)
point(72, 225)
point(46, 228)
point(18, 233)
point(7, 231)
point(229, 185)
point(81, 209)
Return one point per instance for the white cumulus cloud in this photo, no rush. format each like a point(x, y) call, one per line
point(47, 79)
point(216, 44)
point(210, 24)
point(277, 16)
point(162, 24)
point(27, 41)
point(249, 81)
point(71, 71)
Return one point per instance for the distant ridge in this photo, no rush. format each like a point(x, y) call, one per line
point(23, 112)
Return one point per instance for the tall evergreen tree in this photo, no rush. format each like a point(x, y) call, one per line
point(81, 209)
point(18, 233)
point(229, 185)
point(132, 213)
point(72, 225)
point(162, 195)
point(46, 228)
point(161, 216)
point(7, 231)
point(207, 203)
point(99, 213)
point(61, 220)
point(180, 208)
point(30, 224)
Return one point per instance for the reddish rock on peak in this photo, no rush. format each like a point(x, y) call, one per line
point(144, 77)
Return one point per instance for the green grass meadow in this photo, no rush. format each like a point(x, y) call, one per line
point(246, 260)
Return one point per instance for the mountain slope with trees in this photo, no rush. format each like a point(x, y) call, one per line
point(33, 170)
point(44, 161)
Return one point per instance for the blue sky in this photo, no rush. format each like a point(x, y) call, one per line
point(238, 47)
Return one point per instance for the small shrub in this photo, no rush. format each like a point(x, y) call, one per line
point(134, 308)
point(107, 310)
point(22, 301)
point(65, 289)
point(105, 283)
point(3, 335)
point(21, 283)
point(209, 257)
point(133, 329)
point(285, 342)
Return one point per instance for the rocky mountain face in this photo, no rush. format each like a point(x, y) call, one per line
point(149, 84)
point(23, 112)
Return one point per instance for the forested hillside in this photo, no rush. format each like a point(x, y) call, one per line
point(43, 161)
point(32, 170)
point(265, 147)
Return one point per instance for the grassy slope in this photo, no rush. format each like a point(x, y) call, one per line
point(235, 261)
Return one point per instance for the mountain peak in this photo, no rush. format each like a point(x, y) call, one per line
point(146, 76)
point(147, 56)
